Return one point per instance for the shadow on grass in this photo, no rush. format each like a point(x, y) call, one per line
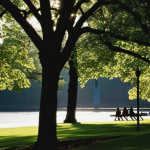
point(10, 141)
point(77, 130)
point(140, 142)
point(133, 139)
point(84, 130)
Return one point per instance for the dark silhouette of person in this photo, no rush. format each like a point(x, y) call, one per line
point(131, 112)
point(125, 112)
point(118, 112)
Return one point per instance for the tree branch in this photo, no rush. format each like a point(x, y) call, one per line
point(90, 12)
point(72, 39)
point(1, 15)
point(117, 49)
point(15, 12)
point(137, 17)
point(65, 21)
point(46, 19)
point(25, 13)
point(81, 10)
point(33, 9)
point(78, 5)
point(98, 32)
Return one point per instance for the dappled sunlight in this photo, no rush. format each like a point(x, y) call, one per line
point(22, 131)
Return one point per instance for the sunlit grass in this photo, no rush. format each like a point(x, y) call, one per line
point(17, 136)
point(114, 128)
point(10, 137)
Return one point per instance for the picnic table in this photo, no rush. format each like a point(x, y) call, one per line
point(133, 117)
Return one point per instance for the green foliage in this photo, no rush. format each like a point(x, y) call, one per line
point(122, 24)
point(14, 59)
point(96, 59)
point(19, 59)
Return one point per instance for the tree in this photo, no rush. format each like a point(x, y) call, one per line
point(105, 62)
point(14, 55)
point(72, 89)
point(112, 65)
point(118, 24)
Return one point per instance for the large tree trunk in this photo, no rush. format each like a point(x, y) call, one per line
point(48, 107)
point(52, 62)
point(72, 94)
point(47, 137)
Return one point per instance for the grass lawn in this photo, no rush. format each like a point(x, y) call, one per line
point(133, 140)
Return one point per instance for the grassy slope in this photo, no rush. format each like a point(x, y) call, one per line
point(134, 139)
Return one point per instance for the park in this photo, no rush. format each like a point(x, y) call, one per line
point(90, 39)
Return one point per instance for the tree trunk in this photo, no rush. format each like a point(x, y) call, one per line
point(72, 94)
point(47, 137)
point(52, 62)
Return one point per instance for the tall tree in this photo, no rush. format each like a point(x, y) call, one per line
point(72, 89)
point(116, 18)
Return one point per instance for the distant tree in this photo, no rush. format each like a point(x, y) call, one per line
point(114, 21)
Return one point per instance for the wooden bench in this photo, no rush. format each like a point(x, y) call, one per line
point(133, 117)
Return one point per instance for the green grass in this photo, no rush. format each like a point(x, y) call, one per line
point(12, 137)
point(133, 140)
point(139, 142)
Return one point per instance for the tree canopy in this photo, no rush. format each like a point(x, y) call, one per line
point(14, 55)
point(19, 57)
point(116, 44)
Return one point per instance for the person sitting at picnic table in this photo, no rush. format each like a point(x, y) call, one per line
point(131, 111)
point(118, 112)
point(125, 112)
